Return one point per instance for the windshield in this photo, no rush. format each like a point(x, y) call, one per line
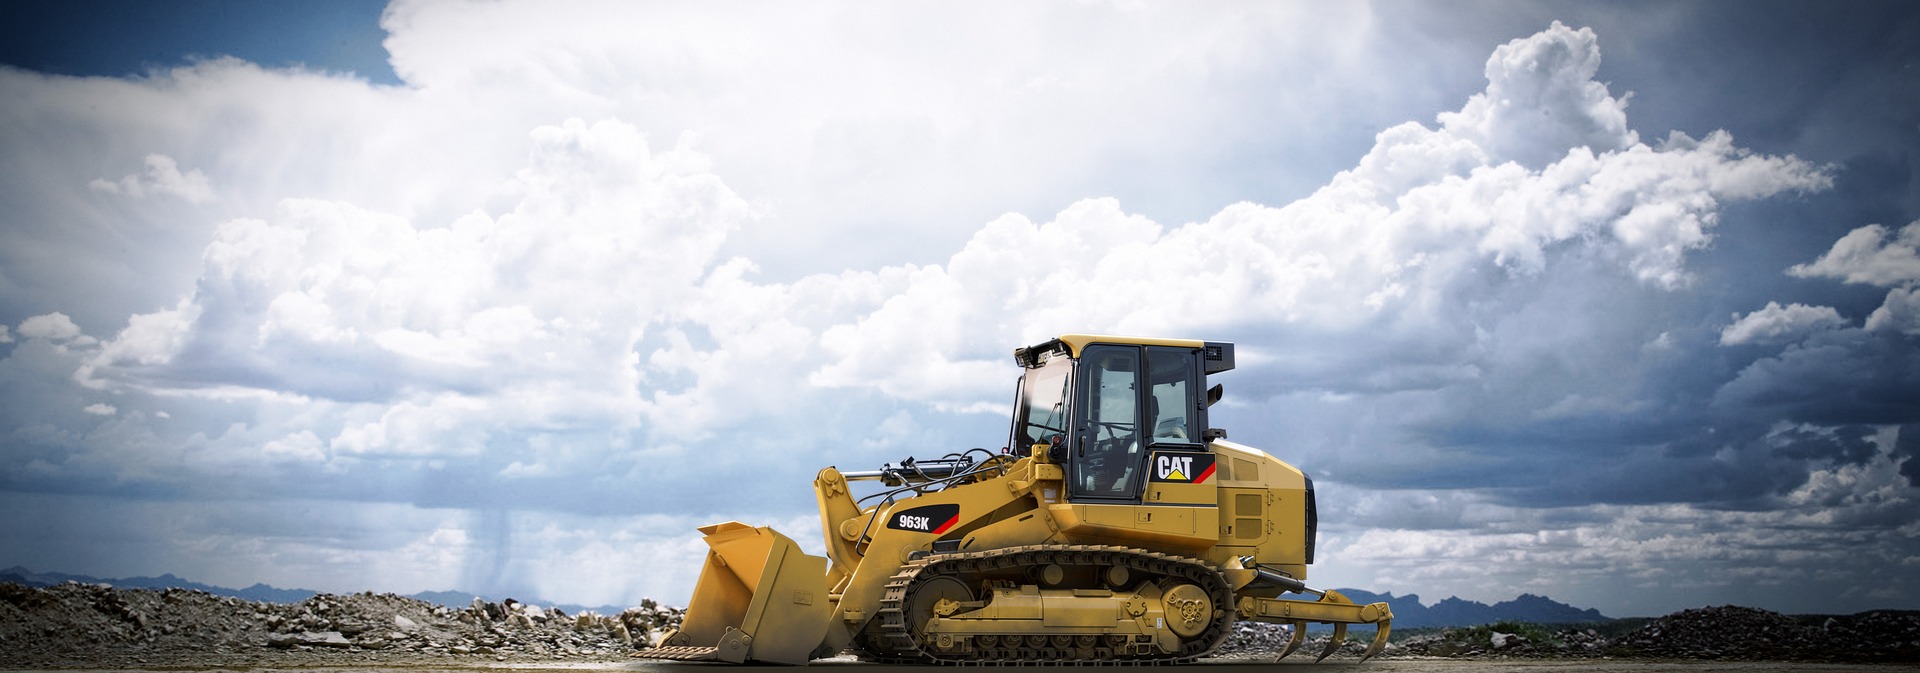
point(1043, 409)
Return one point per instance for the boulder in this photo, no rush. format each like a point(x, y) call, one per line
point(309, 639)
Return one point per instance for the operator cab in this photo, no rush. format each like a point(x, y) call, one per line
point(1103, 405)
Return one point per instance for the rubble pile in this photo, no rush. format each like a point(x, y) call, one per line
point(1717, 633)
point(88, 624)
point(1510, 640)
point(1730, 632)
point(1255, 638)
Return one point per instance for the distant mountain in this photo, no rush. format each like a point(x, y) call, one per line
point(1409, 612)
point(257, 592)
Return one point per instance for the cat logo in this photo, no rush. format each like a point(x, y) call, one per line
point(936, 519)
point(1185, 468)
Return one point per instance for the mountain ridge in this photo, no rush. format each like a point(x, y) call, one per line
point(1409, 612)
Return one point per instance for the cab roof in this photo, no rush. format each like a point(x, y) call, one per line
point(1219, 354)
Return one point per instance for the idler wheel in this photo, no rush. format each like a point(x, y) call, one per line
point(1188, 608)
point(924, 598)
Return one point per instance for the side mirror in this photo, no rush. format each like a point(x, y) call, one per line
point(1214, 394)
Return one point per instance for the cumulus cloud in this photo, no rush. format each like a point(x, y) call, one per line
point(54, 326)
point(1780, 323)
point(1900, 312)
point(162, 176)
point(1868, 255)
point(1541, 100)
point(333, 301)
point(1388, 251)
point(1873, 255)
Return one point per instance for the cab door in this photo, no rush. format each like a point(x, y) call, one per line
point(1108, 454)
point(1179, 468)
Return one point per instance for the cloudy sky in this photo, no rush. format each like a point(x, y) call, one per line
point(1615, 303)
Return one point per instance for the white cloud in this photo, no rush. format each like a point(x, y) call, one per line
point(853, 123)
point(100, 409)
point(163, 176)
point(606, 236)
point(1900, 312)
point(1867, 255)
point(56, 327)
point(302, 446)
point(1387, 250)
point(1776, 323)
point(1541, 100)
point(148, 340)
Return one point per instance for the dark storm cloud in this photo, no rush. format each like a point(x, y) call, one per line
point(1908, 451)
point(1836, 378)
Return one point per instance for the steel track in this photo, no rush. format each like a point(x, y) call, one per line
point(894, 642)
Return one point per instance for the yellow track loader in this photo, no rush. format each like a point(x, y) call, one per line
point(1117, 527)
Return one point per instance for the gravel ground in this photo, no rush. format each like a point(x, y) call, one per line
point(85, 626)
point(92, 627)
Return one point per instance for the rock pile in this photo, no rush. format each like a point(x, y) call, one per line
point(89, 625)
point(1255, 638)
point(1718, 633)
point(1492, 641)
point(1730, 632)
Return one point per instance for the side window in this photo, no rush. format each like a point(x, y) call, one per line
point(1171, 401)
point(1110, 451)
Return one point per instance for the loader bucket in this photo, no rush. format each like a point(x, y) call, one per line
point(759, 599)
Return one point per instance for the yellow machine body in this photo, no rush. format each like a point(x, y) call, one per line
point(1114, 527)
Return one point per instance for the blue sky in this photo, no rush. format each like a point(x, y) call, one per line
point(1615, 303)
point(127, 37)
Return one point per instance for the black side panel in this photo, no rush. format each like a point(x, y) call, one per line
point(1313, 519)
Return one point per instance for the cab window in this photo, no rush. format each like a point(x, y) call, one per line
point(1171, 397)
